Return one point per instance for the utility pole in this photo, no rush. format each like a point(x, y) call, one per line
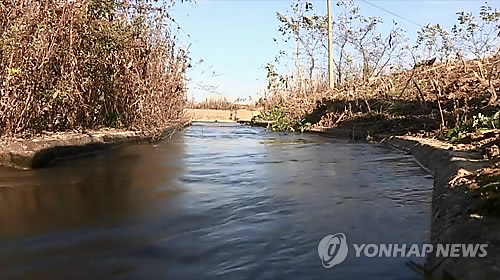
point(297, 62)
point(331, 77)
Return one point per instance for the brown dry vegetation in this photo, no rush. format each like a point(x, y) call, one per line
point(423, 99)
point(221, 103)
point(386, 86)
point(420, 100)
point(213, 104)
point(87, 64)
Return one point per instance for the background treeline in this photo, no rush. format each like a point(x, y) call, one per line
point(88, 64)
point(445, 76)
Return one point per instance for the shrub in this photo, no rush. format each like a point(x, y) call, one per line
point(478, 123)
point(214, 104)
point(87, 64)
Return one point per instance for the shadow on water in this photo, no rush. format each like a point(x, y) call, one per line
point(53, 220)
point(219, 201)
point(88, 190)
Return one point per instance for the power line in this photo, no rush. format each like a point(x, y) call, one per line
point(392, 13)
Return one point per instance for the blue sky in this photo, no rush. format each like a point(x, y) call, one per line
point(235, 37)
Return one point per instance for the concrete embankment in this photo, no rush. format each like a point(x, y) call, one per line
point(40, 151)
point(206, 115)
point(454, 210)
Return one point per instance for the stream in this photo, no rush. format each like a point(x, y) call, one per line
point(216, 201)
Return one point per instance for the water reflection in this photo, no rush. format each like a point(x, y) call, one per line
point(108, 187)
point(218, 201)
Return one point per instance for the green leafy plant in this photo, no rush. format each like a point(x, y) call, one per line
point(478, 123)
point(303, 125)
point(278, 117)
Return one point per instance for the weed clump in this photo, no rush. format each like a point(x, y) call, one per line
point(88, 64)
point(478, 123)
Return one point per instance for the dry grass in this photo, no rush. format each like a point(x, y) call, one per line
point(452, 92)
point(86, 64)
point(442, 96)
point(214, 104)
point(293, 103)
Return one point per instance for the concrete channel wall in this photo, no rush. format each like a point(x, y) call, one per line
point(454, 218)
point(41, 151)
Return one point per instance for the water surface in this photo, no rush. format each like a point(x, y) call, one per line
point(217, 201)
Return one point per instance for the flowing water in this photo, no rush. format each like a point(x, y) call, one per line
point(218, 201)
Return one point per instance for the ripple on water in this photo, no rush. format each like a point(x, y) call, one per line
point(217, 201)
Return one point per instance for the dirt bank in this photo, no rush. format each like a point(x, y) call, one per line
point(42, 150)
point(457, 214)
